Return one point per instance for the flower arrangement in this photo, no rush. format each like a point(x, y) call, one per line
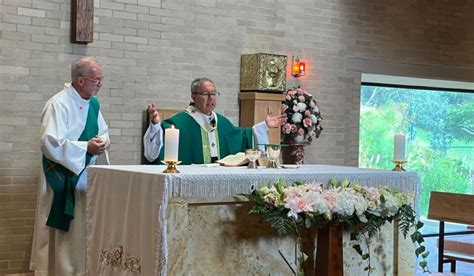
point(361, 210)
point(303, 116)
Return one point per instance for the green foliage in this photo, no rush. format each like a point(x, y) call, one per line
point(438, 172)
point(433, 121)
point(407, 218)
point(461, 121)
point(428, 110)
point(377, 128)
point(276, 217)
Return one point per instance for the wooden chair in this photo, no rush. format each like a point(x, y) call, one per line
point(164, 114)
point(449, 207)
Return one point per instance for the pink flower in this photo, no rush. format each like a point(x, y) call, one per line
point(312, 103)
point(330, 198)
point(307, 122)
point(300, 91)
point(297, 205)
point(300, 131)
point(373, 193)
point(291, 92)
point(286, 129)
point(288, 97)
point(293, 128)
point(293, 192)
point(307, 113)
point(301, 98)
point(296, 108)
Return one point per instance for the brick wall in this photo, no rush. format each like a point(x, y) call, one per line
point(152, 49)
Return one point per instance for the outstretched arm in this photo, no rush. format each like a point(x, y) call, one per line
point(275, 121)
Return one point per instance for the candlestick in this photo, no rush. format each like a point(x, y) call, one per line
point(171, 166)
point(398, 166)
point(399, 147)
point(171, 144)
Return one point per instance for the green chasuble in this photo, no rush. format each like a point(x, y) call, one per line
point(231, 139)
point(62, 181)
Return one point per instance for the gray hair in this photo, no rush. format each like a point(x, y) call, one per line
point(82, 66)
point(197, 82)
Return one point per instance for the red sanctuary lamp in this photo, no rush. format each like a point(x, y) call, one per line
point(299, 67)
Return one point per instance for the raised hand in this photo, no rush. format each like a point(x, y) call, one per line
point(153, 112)
point(275, 121)
point(96, 146)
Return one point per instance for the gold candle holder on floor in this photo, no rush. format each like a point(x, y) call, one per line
point(398, 166)
point(171, 166)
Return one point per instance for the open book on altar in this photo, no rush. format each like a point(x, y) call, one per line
point(233, 160)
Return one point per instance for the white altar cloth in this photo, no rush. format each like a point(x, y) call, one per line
point(126, 205)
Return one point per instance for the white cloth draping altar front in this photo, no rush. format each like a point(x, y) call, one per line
point(131, 232)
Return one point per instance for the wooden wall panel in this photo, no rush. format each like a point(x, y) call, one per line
point(82, 21)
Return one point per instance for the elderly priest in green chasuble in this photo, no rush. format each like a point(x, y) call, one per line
point(205, 136)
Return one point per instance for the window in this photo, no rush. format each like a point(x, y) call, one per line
point(439, 125)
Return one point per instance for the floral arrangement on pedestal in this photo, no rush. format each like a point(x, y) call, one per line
point(361, 210)
point(303, 117)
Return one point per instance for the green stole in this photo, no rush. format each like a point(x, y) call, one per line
point(62, 181)
point(231, 139)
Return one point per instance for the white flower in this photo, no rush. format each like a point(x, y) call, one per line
point(272, 199)
point(390, 206)
point(320, 205)
point(315, 187)
point(360, 203)
point(296, 117)
point(302, 107)
point(313, 118)
point(316, 109)
point(344, 207)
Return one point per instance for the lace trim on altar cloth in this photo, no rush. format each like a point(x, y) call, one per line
point(237, 181)
point(161, 247)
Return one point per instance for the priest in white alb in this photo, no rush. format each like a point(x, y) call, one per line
point(205, 136)
point(73, 134)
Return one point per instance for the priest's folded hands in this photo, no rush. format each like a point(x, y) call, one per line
point(96, 145)
point(205, 135)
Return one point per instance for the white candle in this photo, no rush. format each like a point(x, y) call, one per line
point(171, 144)
point(399, 147)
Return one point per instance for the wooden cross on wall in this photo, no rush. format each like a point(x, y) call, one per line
point(82, 21)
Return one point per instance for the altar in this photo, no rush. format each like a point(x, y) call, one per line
point(141, 221)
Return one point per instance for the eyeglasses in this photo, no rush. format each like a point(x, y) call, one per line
point(96, 81)
point(212, 94)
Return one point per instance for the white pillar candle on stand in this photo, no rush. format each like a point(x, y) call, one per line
point(399, 147)
point(171, 144)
